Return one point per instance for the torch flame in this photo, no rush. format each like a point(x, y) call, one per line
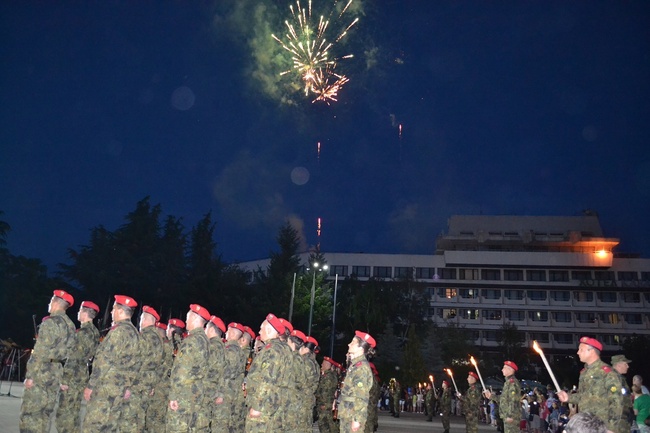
point(431, 377)
point(448, 370)
point(536, 347)
point(472, 360)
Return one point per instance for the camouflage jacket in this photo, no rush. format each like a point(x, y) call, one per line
point(600, 392)
point(152, 357)
point(190, 368)
point(86, 340)
point(233, 371)
point(445, 402)
point(53, 346)
point(117, 360)
point(326, 389)
point(355, 392)
point(510, 399)
point(215, 381)
point(472, 400)
point(269, 378)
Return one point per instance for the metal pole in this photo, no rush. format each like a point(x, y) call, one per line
point(293, 293)
point(336, 284)
point(311, 303)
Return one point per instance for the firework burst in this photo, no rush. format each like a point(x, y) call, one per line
point(307, 40)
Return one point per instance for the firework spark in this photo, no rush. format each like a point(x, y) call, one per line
point(307, 40)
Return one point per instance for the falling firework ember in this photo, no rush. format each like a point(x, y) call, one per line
point(310, 47)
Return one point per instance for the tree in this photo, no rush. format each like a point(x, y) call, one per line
point(510, 341)
point(414, 370)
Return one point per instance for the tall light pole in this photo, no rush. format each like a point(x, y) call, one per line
point(336, 284)
point(313, 293)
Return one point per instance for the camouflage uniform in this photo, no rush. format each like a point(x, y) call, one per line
point(219, 413)
point(445, 408)
point(372, 423)
point(625, 424)
point(45, 369)
point(599, 392)
point(324, 398)
point(355, 395)
point(187, 384)
point(156, 413)
point(75, 376)
point(152, 355)
point(114, 369)
point(397, 396)
point(428, 401)
point(267, 386)
point(471, 406)
point(309, 396)
point(509, 404)
point(233, 396)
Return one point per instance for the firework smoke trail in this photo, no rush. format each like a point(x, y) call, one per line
point(309, 47)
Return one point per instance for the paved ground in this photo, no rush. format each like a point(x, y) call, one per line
point(406, 423)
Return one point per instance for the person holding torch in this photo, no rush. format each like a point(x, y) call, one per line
point(471, 403)
point(445, 405)
point(509, 406)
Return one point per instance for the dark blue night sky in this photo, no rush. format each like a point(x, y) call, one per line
point(519, 108)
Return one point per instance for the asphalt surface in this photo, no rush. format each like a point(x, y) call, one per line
point(406, 423)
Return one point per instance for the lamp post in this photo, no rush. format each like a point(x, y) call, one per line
point(336, 284)
point(313, 293)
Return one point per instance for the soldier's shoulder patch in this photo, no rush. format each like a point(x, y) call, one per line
point(512, 380)
point(360, 384)
point(114, 326)
point(267, 345)
point(613, 389)
point(358, 364)
point(607, 368)
point(45, 318)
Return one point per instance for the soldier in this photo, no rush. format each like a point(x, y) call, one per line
point(355, 392)
point(372, 423)
point(114, 369)
point(293, 422)
point(175, 331)
point(509, 400)
point(45, 366)
point(233, 375)
point(156, 413)
point(75, 371)
point(238, 420)
point(396, 394)
point(308, 353)
point(267, 378)
point(621, 364)
point(429, 402)
point(445, 405)
point(599, 387)
point(218, 413)
point(471, 403)
point(188, 377)
point(325, 395)
point(152, 356)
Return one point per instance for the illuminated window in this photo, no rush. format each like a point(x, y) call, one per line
point(491, 314)
point(447, 313)
point(447, 292)
point(609, 318)
point(611, 340)
point(468, 314)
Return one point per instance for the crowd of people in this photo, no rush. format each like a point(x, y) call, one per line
point(196, 375)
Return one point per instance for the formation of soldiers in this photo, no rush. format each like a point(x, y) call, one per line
point(197, 375)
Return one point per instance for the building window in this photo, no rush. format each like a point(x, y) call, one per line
point(432, 311)
point(607, 297)
point(514, 295)
point(536, 275)
point(341, 270)
point(541, 337)
point(432, 291)
point(468, 293)
point(581, 275)
point(628, 276)
point(537, 295)
point(383, 272)
point(556, 275)
point(491, 336)
point(645, 276)
point(562, 316)
point(468, 274)
point(580, 296)
point(538, 316)
point(474, 335)
point(491, 293)
point(561, 295)
point(513, 275)
point(448, 273)
point(491, 274)
point(633, 318)
point(447, 313)
point(515, 315)
point(611, 340)
point(404, 272)
point(361, 271)
point(604, 275)
point(447, 292)
point(631, 297)
point(609, 318)
point(468, 314)
point(562, 338)
point(492, 314)
point(425, 273)
point(586, 317)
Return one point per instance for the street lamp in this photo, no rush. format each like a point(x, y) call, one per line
point(313, 293)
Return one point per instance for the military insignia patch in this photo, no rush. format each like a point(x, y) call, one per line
point(360, 384)
point(613, 389)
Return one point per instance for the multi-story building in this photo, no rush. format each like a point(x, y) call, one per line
point(555, 278)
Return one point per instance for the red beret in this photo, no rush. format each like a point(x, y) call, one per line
point(592, 342)
point(67, 297)
point(299, 334)
point(474, 375)
point(126, 301)
point(250, 332)
point(312, 340)
point(161, 326)
point(336, 364)
point(366, 337)
point(511, 365)
point(176, 322)
point(238, 326)
point(328, 359)
point(444, 382)
point(287, 325)
point(218, 323)
point(275, 322)
point(201, 311)
point(91, 305)
point(150, 310)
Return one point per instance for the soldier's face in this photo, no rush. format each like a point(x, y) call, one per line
point(49, 306)
point(507, 371)
point(471, 380)
point(621, 367)
point(354, 348)
point(584, 352)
